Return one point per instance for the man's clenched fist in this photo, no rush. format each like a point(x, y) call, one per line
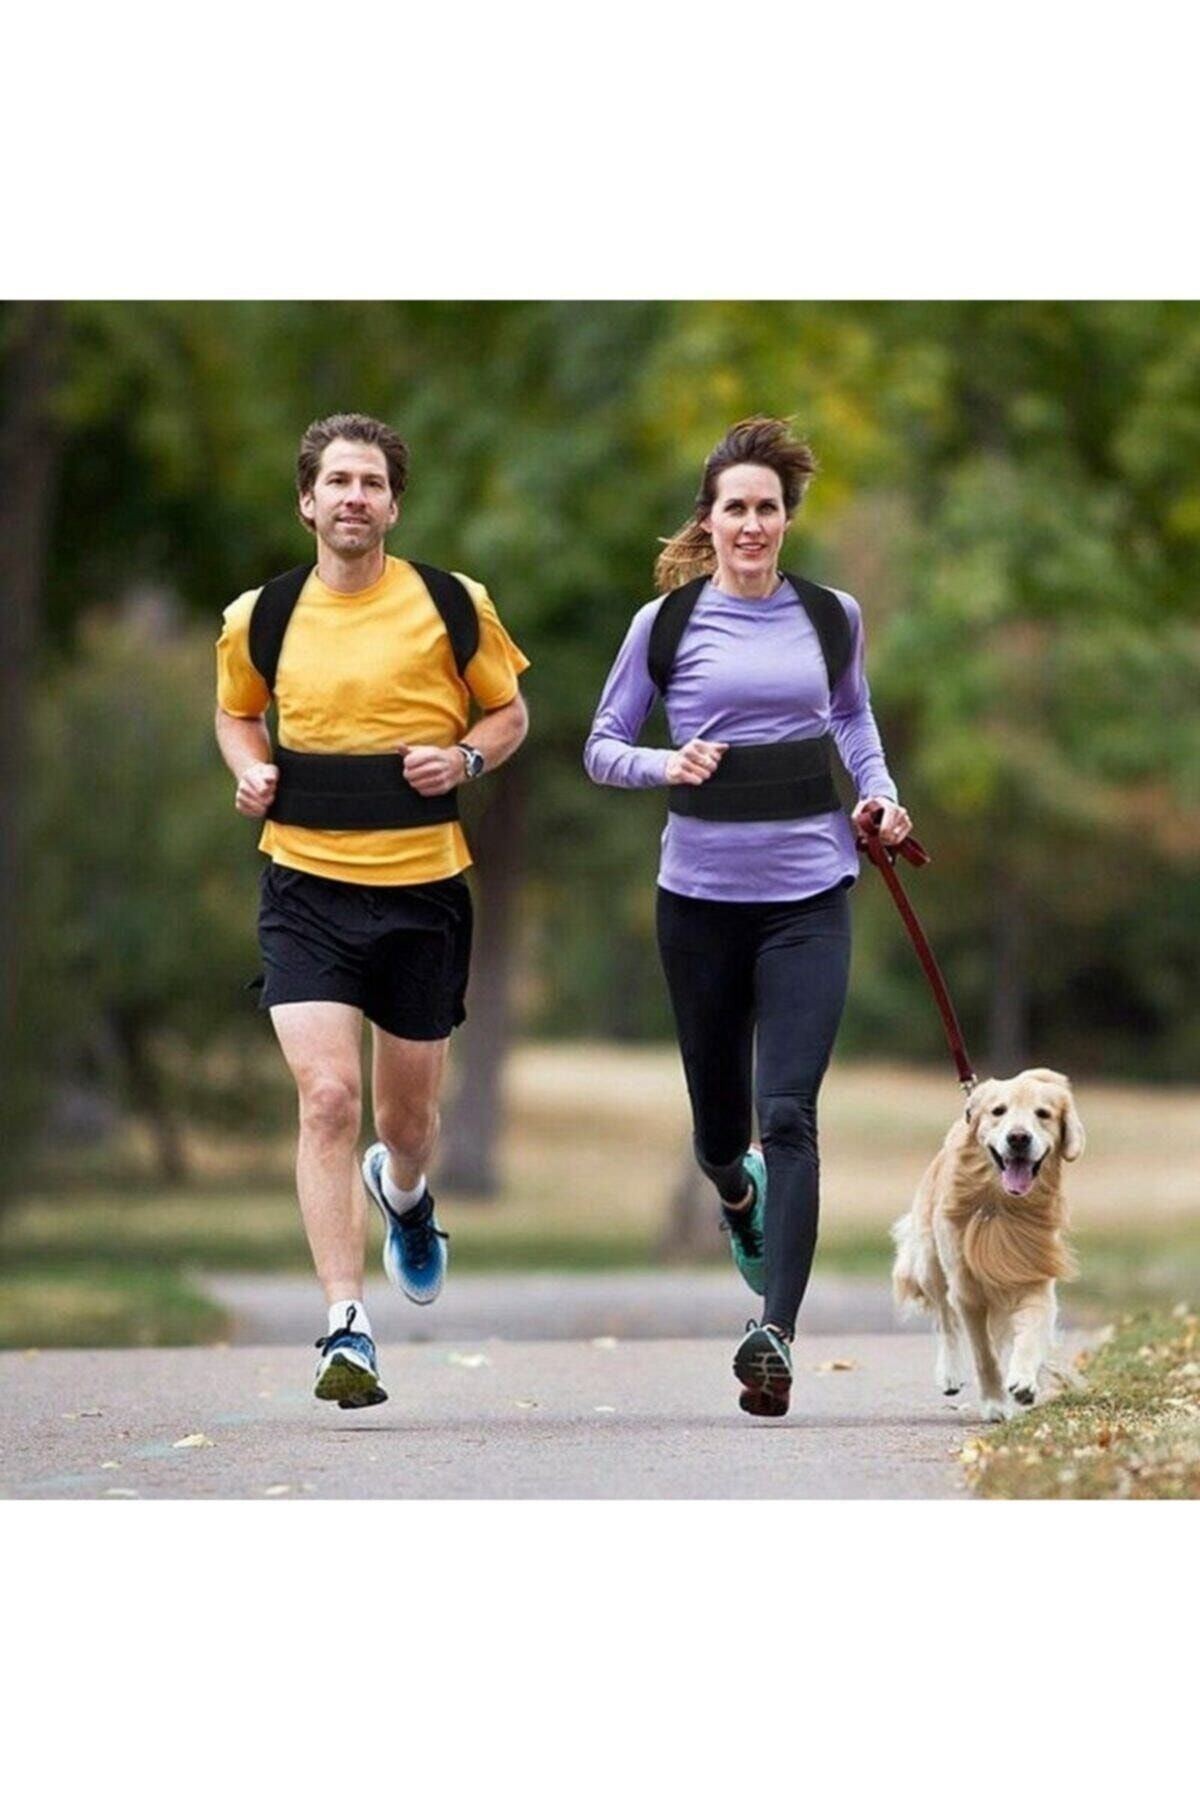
point(256, 789)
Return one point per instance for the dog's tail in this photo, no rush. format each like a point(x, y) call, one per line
point(907, 1292)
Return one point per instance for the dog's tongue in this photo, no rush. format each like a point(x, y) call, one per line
point(1016, 1177)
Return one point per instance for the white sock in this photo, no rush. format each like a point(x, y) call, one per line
point(339, 1317)
point(401, 1200)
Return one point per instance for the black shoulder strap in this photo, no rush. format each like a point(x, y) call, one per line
point(823, 607)
point(457, 609)
point(272, 613)
point(829, 621)
point(277, 602)
point(670, 623)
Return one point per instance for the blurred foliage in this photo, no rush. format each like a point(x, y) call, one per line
point(1010, 489)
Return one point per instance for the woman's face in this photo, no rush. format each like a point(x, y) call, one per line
point(747, 521)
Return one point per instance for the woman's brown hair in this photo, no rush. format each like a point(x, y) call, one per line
point(767, 442)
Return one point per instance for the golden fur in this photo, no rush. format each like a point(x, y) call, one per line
point(982, 1246)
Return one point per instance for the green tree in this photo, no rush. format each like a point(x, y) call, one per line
point(142, 939)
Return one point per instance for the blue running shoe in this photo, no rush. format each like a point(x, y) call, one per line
point(762, 1363)
point(414, 1250)
point(346, 1372)
point(746, 1228)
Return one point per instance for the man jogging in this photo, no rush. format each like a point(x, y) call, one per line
point(374, 664)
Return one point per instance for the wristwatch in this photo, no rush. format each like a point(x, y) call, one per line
point(474, 761)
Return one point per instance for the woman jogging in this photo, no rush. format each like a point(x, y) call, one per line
point(761, 671)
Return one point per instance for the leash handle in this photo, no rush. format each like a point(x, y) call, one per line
point(884, 857)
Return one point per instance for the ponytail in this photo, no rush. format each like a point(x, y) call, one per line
point(688, 554)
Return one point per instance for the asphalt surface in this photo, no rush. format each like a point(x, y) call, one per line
point(559, 1411)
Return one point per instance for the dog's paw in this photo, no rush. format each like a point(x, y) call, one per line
point(993, 1412)
point(1022, 1392)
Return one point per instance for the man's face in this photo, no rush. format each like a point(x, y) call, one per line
point(350, 504)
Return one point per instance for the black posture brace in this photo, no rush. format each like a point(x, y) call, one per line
point(277, 602)
point(354, 793)
point(758, 781)
point(825, 610)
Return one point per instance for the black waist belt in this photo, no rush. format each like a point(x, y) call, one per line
point(763, 781)
point(353, 793)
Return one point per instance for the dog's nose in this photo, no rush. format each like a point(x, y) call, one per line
point(1019, 1140)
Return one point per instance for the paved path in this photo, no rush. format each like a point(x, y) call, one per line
point(522, 1388)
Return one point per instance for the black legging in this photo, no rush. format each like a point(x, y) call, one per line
point(767, 977)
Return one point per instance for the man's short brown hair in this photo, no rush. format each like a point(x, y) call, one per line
point(356, 428)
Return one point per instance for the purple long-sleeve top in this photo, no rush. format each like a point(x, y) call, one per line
point(746, 672)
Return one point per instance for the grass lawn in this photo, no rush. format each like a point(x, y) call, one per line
point(57, 1307)
point(1132, 1433)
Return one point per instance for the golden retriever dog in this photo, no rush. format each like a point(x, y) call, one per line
point(984, 1242)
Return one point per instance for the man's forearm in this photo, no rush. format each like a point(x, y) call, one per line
point(497, 734)
point(242, 742)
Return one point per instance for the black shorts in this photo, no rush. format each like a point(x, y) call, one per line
point(400, 954)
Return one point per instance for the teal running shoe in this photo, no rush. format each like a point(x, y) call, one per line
point(746, 1228)
point(762, 1363)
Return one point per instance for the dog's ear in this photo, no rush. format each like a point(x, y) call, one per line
point(1073, 1136)
point(973, 1100)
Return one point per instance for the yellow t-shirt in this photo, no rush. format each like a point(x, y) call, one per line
point(359, 674)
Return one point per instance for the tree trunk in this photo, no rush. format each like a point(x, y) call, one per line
point(148, 1098)
point(1008, 1016)
point(692, 1218)
point(468, 1164)
point(30, 441)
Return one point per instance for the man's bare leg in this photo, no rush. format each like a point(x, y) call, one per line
point(322, 1044)
point(406, 1083)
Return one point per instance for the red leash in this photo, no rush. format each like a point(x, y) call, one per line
point(884, 858)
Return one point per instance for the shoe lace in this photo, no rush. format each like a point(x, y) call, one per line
point(323, 1343)
point(419, 1233)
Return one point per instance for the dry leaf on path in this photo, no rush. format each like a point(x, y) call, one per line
point(110, 1465)
point(525, 1403)
point(838, 1363)
point(281, 1487)
point(477, 1361)
point(604, 1409)
point(604, 1343)
point(120, 1493)
point(196, 1441)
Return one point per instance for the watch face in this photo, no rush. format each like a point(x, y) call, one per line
point(474, 762)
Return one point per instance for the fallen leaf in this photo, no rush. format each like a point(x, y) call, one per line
point(604, 1409)
point(196, 1441)
point(68, 1415)
point(604, 1343)
point(91, 1412)
point(477, 1361)
point(525, 1403)
point(974, 1450)
point(110, 1465)
point(121, 1493)
point(838, 1363)
point(281, 1487)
